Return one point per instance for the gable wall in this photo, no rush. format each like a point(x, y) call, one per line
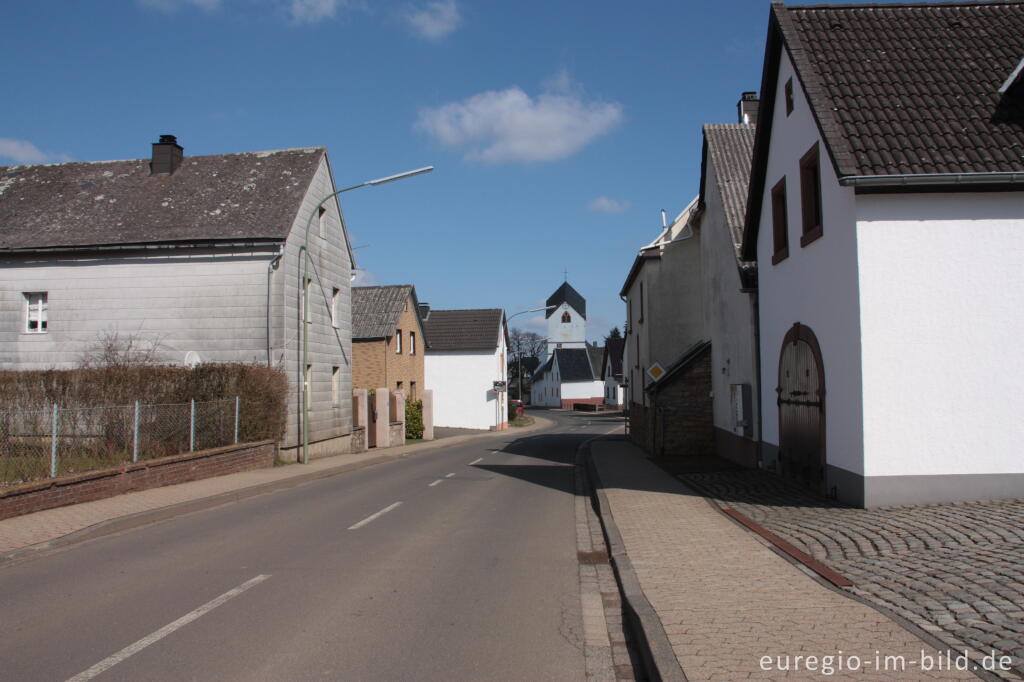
point(571, 334)
point(941, 323)
point(463, 386)
point(729, 321)
point(815, 286)
point(328, 346)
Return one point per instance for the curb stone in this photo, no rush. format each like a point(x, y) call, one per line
point(128, 522)
point(655, 651)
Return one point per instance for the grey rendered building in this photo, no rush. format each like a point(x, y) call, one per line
point(198, 254)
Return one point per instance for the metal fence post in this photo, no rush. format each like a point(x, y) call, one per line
point(135, 433)
point(53, 441)
point(238, 408)
point(192, 429)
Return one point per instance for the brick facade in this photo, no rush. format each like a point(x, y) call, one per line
point(154, 473)
point(678, 422)
point(375, 363)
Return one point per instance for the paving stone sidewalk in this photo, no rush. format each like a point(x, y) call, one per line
point(725, 599)
point(956, 570)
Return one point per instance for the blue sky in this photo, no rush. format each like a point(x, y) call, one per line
point(558, 129)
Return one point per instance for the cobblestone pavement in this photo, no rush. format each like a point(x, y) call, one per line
point(955, 570)
point(726, 601)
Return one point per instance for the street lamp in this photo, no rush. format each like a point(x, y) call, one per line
point(304, 255)
point(520, 372)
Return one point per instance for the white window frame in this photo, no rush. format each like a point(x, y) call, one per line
point(398, 342)
point(41, 306)
point(412, 343)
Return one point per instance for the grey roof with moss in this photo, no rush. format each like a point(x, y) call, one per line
point(376, 310)
point(224, 197)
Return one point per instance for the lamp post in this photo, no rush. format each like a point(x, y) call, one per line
point(303, 289)
point(520, 372)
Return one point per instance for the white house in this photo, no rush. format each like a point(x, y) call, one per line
point(565, 379)
point(566, 317)
point(886, 215)
point(611, 372)
point(465, 357)
point(200, 254)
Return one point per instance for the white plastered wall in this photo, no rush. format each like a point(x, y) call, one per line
point(941, 324)
point(815, 286)
point(463, 385)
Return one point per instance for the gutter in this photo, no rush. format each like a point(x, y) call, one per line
point(932, 179)
point(272, 265)
point(140, 247)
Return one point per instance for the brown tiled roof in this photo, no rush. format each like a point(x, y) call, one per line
point(478, 329)
point(911, 89)
point(376, 310)
point(729, 147)
point(208, 198)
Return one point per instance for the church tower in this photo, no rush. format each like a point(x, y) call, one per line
point(567, 321)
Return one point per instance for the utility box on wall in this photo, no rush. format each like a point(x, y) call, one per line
point(739, 400)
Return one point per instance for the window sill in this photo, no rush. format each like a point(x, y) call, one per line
point(34, 333)
point(811, 235)
point(780, 255)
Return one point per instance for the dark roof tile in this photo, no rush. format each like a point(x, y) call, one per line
point(574, 364)
point(566, 294)
point(464, 329)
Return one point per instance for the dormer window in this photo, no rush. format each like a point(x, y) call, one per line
point(566, 318)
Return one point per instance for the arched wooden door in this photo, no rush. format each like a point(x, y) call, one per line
point(801, 400)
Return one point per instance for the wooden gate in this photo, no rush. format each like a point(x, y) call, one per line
point(801, 400)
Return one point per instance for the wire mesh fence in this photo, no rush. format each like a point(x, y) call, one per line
point(36, 444)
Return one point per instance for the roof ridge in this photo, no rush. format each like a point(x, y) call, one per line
point(899, 5)
point(145, 159)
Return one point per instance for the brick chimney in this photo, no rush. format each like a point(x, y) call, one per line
point(747, 108)
point(167, 156)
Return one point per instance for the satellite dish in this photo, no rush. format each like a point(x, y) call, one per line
point(192, 359)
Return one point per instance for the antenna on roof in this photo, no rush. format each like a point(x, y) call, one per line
point(664, 219)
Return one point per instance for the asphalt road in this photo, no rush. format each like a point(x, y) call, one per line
point(458, 564)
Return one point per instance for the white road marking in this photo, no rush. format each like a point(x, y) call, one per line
point(133, 649)
point(371, 517)
point(448, 475)
point(478, 459)
point(431, 485)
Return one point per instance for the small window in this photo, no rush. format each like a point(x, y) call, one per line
point(566, 317)
point(335, 295)
point(399, 385)
point(810, 196)
point(789, 97)
point(336, 386)
point(412, 390)
point(780, 228)
point(412, 343)
point(398, 342)
point(36, 312)
point(322, 216)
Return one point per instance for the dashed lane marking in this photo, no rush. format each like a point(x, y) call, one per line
point(138, 646)
point(372, 517)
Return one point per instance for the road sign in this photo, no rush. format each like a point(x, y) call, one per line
point(655, 371)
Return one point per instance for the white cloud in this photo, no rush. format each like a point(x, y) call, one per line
point(433, 21)
point(174, 5)
point(607, 205)
point(312, 11)
point(508, 125)
point(22, 151)
point(365, 278)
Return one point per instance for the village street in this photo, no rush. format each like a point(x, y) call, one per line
point(470, 572)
